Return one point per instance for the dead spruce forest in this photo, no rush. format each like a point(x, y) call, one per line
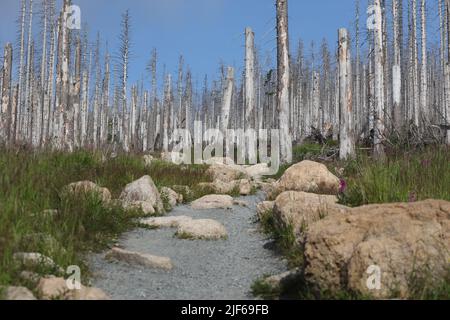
point(364, 135)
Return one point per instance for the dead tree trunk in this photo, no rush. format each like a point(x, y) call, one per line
point(423, 75)
point(283, 81)
point(20, 108)
point(396, 69)
point(379, 134)
point(5, 115)
point(346, 138)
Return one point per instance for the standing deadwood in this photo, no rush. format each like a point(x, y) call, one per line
point(97, 94)
point(133, 116)
point(125, 55)
point(166, 109)
point(105, 103)
point(358, 100)
point(47, 108)
point(447, 72)
point(227, 100)
point(84, 109)
point(61, 121)
point(66, 108)
point(283, 81)
point(180, 110)
point(396, 69)
point(27, 124)
point(249, 77)
point(5, 113)
point(346, 138)
point(188, 101)
point(442, 38)
point(423, 76)
point(21, 72)
point(13, 115)
point(315, 101)
point(415, 66)
point(250, 92)
point(379, 134)
point(153, 127)
point(75, 95)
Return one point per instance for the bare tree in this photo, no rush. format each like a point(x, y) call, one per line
point(347, 142)
point(379, 134)
point(5, 112)
point(283, 103)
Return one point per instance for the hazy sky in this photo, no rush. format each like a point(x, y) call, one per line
point(205, 31)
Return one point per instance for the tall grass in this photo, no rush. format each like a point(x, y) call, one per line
point(33, 182)
point(402, 177)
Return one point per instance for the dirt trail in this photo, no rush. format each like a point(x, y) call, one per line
point(203, 270)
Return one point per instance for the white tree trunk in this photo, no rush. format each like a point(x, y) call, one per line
point(283, 82)
point(423, 76)
point(346, 137)
point(5, 113)
point(379, 134)
point(396, 69)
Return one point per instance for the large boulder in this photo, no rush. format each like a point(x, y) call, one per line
point(142, 191)
point(400, 240)
point(300, 209)
point(213, 201)
point(311, 177)
point(88, 187)
point(202, 229)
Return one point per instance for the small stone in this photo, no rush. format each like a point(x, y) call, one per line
point(141, 259)
point(202, 229)
point(164, 222)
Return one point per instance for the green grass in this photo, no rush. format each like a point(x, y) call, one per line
point(260, 288)
point(32, 182)
point(284, 239)
point(402, 177)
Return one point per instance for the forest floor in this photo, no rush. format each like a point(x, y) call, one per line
point(82, 228)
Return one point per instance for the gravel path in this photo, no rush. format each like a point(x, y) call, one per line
point(203, 270)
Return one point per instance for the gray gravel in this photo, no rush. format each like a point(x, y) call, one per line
point(203, 270)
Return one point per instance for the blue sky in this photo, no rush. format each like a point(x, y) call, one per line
point(205, 31)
